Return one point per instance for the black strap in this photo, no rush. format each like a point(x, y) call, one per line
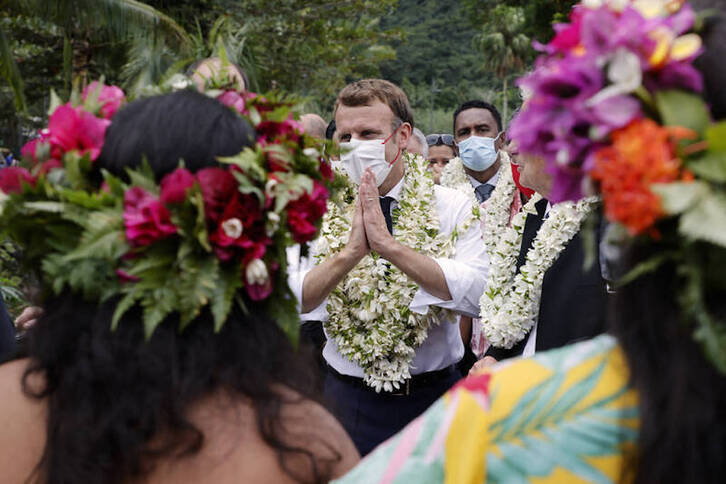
point(386, 209)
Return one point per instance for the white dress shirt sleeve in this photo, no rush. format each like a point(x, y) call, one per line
point(466, 271)
point(298, 268)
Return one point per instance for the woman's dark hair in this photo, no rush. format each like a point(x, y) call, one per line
point(184, 125)
point(682, 396)
point(117, 402)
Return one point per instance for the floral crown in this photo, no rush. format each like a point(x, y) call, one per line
point(615, 110)
point(213, 233)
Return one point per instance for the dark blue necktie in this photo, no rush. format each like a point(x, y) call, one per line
point(386, 209)
point(483, 192)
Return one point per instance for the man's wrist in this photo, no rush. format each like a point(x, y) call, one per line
point(390, 250)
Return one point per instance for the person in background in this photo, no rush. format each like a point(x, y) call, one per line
point(479, 137)
point(7, 333)
point(204, 70)
point(313, 125)
point(441, 150)
point(417, 145)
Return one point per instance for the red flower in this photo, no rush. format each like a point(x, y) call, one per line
point(258, 292)
point(289, 129)
point(303, 213)
point(75, 129)
point(234, 100)
point(146, 219)
point(641, 154)
point(126, 277)
point(326, 170)
point(110, 97)
point(218, 187)
point(13, 177)
point(241, 228)
point(174, 186)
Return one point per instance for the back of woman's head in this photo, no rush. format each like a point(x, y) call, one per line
point(184, 125)
point(111, 393)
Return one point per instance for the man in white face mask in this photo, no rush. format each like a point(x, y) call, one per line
point(479, 138)
point(373, 126)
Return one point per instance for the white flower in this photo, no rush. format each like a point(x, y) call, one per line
point(232, 227)
point(625, 74)
point(256, 272)
point(311, 152)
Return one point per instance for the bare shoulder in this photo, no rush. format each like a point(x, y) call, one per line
point(309, 425)
point(235, 449)
point(22, 424)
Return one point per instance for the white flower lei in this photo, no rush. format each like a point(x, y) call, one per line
point(511, 302)
point(370, 319)
point(454, 176)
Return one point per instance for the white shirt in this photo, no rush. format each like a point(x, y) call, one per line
point(465, 272)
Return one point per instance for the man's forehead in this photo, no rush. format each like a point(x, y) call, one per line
point(475, 116)
point(353, 118)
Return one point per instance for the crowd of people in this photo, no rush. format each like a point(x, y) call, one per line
point(533, 301)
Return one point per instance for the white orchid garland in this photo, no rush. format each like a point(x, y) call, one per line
point(370, 320)
point(454, 176)
point(511, 302)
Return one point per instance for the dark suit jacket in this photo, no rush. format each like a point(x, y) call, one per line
point(574, 301)
point(7, 333)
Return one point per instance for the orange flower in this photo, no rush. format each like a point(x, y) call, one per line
point(641, 153)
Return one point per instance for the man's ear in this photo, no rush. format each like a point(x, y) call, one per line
point(501, 141)
point(404, 135)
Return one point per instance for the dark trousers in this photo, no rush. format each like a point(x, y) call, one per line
point(370, 418)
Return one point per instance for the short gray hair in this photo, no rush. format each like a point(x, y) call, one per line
point(422, 141)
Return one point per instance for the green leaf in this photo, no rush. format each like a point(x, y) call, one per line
point(55, 102)
point(229, 282)
point(716, 137)
point(679, 108)
point(143, 177)
point(249, 161)
point(676, 198)
point(711, 166)
point(706, 221)
point(123, 305)
point(646, 267)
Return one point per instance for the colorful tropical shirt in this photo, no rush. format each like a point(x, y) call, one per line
point(566, 415)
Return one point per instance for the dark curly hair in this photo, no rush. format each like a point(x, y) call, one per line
point(116, 402)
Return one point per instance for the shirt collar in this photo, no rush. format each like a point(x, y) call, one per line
point(492, 181)
point(395, 192)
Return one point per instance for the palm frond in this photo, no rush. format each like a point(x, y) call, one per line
point(120, 19)
point(10, 72)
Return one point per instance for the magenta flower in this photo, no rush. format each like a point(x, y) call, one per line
point(13, 178)
point(234, 100)
point(174, 186)
point(75, 129)
point(146, 219)
point(110, 97)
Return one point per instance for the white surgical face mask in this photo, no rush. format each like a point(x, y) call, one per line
point(366, 154)
point(478, 153)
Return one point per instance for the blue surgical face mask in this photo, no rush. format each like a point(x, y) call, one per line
point(478, 153)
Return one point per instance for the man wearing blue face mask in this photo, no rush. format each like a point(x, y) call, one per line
point(386, 268)
point(479, 138)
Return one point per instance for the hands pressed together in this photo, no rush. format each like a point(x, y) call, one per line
point(369, 231)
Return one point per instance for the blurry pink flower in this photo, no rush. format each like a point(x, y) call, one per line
point(75, 129)
point(174, 186)
point(111, 98)
point(146, 219)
